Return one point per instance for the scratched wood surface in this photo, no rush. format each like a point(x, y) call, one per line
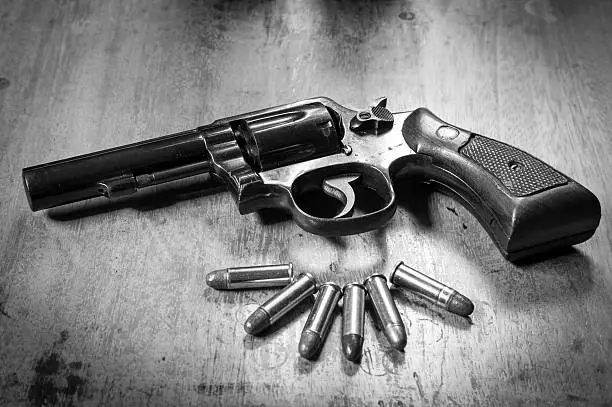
point(106, 303)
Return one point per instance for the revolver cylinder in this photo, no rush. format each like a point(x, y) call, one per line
point(289, 136)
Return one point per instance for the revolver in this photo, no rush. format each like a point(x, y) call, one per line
point(335, 169)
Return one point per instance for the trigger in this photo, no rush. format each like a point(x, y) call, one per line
point(339, 187)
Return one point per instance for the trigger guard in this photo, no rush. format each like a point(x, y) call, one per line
point(370, 178)
point(333, 227)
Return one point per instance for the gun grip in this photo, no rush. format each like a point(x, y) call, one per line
point(525, 205)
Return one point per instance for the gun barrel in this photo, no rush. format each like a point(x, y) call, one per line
point(117, 171)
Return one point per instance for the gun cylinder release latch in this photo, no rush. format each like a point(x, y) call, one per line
point(375, 120)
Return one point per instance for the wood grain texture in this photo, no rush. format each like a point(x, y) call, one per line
point(106, 304)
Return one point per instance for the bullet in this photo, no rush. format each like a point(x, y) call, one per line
point(384, 306)
point(278, 305)
point(320, 320)
point(432, 290)
point(236, 278)
point(353, 312)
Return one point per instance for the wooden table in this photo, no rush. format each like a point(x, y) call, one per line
point(106, 303)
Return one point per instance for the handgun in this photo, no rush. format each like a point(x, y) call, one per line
point(337, 171)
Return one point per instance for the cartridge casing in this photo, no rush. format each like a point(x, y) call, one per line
point(431, 290)
point(353, 313)
point(319, 320)
point(265, 276)
point(353, 309)
point(385, 308)
point(420, 284)
point(278, 305)
point(304, 286)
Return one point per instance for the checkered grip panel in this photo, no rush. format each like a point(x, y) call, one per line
point(518, 171)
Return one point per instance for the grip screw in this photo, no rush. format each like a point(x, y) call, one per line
point(515, 165)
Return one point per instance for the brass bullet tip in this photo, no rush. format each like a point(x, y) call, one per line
point(460, 305)
point(396, 335)
point(257, 322)
point(216, 279)
point(310, 344)
point(352, 345)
